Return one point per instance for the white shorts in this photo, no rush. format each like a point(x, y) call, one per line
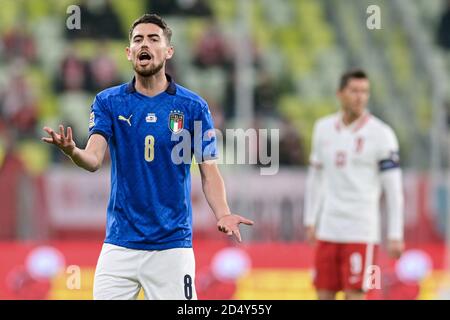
point(163, 274)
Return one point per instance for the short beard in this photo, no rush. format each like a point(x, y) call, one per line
point(148, 72)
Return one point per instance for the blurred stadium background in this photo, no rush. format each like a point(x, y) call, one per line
point(259, 63)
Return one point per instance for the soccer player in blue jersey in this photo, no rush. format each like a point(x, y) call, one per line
point(148, 240)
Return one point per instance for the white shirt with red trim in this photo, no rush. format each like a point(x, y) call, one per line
point(349, 158)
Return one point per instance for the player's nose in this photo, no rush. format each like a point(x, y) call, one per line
point(145, 44)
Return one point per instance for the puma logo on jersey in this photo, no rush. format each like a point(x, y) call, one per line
point(127, 120)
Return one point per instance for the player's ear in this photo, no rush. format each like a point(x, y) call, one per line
point(128, 52)
point(170, 52)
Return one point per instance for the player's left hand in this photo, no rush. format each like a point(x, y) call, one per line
point(229, 224)
point(395, 248)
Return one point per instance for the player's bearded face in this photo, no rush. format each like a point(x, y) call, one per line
point(355, 96)
point(148, 49)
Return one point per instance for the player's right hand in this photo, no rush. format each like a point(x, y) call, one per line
point(62, 141)
point(311, 234)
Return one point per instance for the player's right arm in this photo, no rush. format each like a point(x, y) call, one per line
point(90, 158)
point(313, 196)
point(314, 189)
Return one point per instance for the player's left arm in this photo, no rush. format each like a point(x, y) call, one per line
point(214, 190)
point(391, 180)
point(392, 185)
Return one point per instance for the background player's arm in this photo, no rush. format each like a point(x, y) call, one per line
point(392, 184)
point(391, 180)
point(90, 158)
point(314, 189)
point(214, 190)
point(313, 199)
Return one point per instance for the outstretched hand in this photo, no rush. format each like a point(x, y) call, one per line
point(62, 140)
point(229, 224)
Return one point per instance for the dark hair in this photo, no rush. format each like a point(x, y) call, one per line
point(351, 74)
point(155, 19)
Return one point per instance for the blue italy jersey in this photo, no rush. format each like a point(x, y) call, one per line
point(150, 201)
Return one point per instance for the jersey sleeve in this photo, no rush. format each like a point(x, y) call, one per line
point(315, 158)
point(388, 152)
point(100, 119)
point(204, 144)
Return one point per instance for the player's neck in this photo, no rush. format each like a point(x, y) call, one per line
point(153, 85)
point(349, 118)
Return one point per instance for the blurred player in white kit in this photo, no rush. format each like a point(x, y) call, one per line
point(354, 157)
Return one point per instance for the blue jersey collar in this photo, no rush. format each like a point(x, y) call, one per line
point(171, 89)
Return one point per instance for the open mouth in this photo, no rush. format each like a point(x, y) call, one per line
point(144, 56)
